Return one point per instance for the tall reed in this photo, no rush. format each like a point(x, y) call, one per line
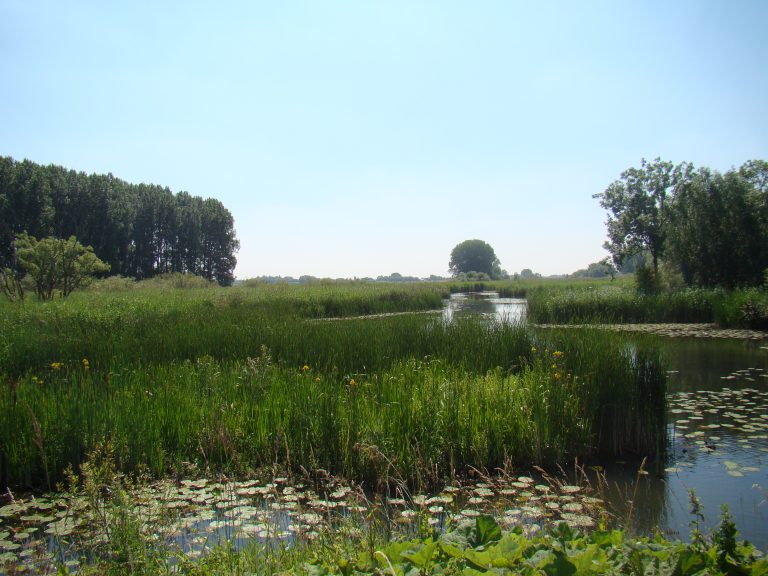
point(481, 396)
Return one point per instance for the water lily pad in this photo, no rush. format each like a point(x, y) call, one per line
point(568, 489)
point(7, 557)
point(577, 520)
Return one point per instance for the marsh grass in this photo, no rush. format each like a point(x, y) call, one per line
point(605, 302)
point(153, 326)
point(239, 379)
point(620, 304)
point(452, 396)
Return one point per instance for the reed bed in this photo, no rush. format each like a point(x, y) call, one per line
point(226, 383)
point(620, 304)
point(163, 326)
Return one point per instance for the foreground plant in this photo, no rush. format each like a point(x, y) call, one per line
point(476, 547)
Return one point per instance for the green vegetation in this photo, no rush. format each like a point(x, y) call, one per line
point(619, 303)
point(475, 257)
point(241, 378)
point(139, 230)
point(56, 265)
point(122, 538)
point(712, 228)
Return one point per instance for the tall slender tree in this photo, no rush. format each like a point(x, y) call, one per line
point(637, 204)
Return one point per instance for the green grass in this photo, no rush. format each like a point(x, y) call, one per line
point(235, 379)
point(620, 303)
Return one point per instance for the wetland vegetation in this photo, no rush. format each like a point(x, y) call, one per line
point(220, 379)
point(255, 382)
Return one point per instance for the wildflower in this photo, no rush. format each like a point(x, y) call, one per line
point(86, 364)
point(533, 349)
point(57, 365)
point(557, 353)
point(352, 382)
point(36, 380)
point(317, 379)
point(305, 368)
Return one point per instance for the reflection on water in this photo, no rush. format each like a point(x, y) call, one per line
point(718, 431)
point(486, 304)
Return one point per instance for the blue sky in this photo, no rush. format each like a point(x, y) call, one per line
point(360, 138)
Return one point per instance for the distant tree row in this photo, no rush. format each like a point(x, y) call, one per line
point(139, 230)
point(710, 227)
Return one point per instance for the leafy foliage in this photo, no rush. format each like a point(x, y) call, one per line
point(57, 265)
point(558, 552)
point(140, 230)
point(474, 256)
point(637, 204)
point(712, 227)
point(718, 230)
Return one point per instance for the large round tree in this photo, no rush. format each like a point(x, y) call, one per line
point(474, 256)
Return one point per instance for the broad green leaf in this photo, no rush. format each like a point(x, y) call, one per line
point(423, 556)
point(488, 531)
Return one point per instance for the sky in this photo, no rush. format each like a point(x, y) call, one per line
point(360, 138)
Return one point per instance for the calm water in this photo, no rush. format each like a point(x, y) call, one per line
point(487, 304)
point(718, 433)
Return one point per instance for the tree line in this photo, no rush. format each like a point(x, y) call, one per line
point(139, 230)
point(707, 226)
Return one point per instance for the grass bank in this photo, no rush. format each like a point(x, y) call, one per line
point(607, 303)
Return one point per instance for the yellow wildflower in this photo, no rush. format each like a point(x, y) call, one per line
point(86, 364)
point(305, 368)
point(57, 365)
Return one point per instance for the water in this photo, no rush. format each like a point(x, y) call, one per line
point(486, 304)
point(718, 440)
point(718, 433)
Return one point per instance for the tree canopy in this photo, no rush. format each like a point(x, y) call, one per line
point(637, 204)
point(474, 256)
point(711, 227)
point(56, 264)
point(139, 230)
